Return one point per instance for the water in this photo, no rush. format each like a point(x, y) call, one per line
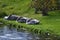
point(7, 33)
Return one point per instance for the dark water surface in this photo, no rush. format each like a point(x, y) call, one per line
point(7, 33)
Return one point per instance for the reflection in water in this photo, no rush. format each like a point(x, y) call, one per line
point(8, 33)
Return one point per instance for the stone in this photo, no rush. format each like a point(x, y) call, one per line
point(22, 19)
point(32, 21)
point(11, 17)
point(6, 17)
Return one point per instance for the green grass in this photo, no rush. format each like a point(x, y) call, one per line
point(22, 8)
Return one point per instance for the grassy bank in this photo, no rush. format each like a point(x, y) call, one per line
point(50, 23)
point(22, 8)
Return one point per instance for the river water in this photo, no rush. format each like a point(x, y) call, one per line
point(8, 33)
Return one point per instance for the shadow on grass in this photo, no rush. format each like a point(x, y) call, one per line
point(54, 14)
